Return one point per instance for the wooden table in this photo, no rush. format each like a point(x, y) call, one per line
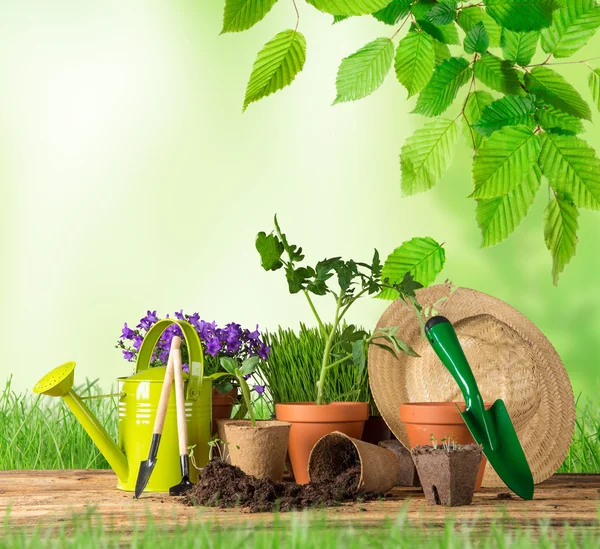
point(48, 497)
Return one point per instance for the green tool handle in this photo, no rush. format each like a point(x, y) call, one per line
point(442, 337)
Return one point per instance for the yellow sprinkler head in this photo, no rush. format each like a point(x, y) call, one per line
point(58, 382)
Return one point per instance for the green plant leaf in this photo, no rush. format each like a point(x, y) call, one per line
point(339, 18)
point(499, 217)
point(249, 365)
point(361, 73)
point(498, 74)
point(553, 89)
point(229, 364)
point(477, 39)
point(448, 77)
point(358, 354)
point(393, 12)
point(276, 65)
point(594, 84)
point(573, 24)
point(469, 17)
point(349, 7)
point(504, 160)
point(553, 120)
point(423, 258)
point(441, 50)
point(415, 60)
point(521, 15)
point(240, 15)
point(474, 107)
point(447, 34)
point(427, 154)
point(442, 13)
point(507, 111)
point(519, 47)
point(270, 249)
point(560, 232)
point(572, 167)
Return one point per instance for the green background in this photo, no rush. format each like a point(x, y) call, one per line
point(131, 180)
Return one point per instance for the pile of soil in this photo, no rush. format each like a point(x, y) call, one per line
point(223, 485)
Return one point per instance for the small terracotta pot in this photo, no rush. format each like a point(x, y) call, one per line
point(222, 405)
point(258, 451)
point(440, 419)
point(376, 430)
point(337, 453)
point(310, 422)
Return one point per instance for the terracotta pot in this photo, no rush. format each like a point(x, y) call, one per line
point(440, 419)
point(376, 430)
point(222, 405)
point(337, 453)
point(448, 477)
point(258, 451)
point(310, 422)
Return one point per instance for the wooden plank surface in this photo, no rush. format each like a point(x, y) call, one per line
point(48, 497)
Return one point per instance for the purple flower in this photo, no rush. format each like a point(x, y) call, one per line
point(147, 322)
point(260, 389)
point(128, 355)
point(179, 315)
point(247, 376)
point(185, 368)
point(127, 333)
point(254, 336)
point(263, 351)
point(137, 342)
point(213, 346)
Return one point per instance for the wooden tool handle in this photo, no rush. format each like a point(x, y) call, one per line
point(163, 403)
point(180, 403)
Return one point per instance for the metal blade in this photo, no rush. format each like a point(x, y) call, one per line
point(508, 458)
point(146, 468)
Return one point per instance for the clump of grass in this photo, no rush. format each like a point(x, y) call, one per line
point(294, 367)
point(584, 453)
point(38, 432)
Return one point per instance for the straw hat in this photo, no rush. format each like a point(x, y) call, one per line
point(510, 358)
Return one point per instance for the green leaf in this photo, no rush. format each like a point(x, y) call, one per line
point(471, 16)
point(504, 160)
point(519, 47)
point(293, 251)
point(442, 13)
point(447, 34)
point(498, 74)
point(249, 365)
point(229, 364)
point(556, 121)
point(415, 60)
point(448, 77)
point(572, 167)
point(270, 249)
point(442, 51)
point(573, 24)
point(393, 12)
point(560, 232)
point(507, 111)
point(477, 39)
point(499, 217)
point(276, 65)
point(240, 15)
point(521, 15)
point(361, 73)
point(474, 107)
point(554, 90)
point(423, 258)
point(427, 154)
point(358, 354)
point(339, 18)
point(594, 83)
point(349, 7)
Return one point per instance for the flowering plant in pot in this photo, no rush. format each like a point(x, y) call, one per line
point(312, 420)
point(232, 341)
point(257, 447)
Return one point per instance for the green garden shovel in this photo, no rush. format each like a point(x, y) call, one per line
point(491, 428)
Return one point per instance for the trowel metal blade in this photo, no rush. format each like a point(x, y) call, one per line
point(146, 468)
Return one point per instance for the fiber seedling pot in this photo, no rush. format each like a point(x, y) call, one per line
point(376, 430)
point(222, 405)
point(337, 453)
point(408, 472)
point(258, 451)
point(440, 419)
point(310, 422)
point(448, 477)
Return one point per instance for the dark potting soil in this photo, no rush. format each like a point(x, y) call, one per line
point(223, 485)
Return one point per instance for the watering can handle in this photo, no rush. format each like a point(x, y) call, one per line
point(194, 347)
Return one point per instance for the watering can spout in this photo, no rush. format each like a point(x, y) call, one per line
point(59, 383)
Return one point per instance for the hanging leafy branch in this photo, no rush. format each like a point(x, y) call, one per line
point(521, 119)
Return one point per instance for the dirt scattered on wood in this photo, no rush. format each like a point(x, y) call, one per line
point(504, 495)
point(223, 485)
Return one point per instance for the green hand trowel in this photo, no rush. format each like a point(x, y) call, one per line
point(491, 428)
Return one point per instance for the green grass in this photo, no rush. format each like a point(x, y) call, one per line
point(41, 433)
point(304, 532)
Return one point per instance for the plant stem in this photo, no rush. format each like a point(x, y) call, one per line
point(340, 361)
point(297, 14)
point(345, 309)
point(564, 62)
point(314, 310)
point(247, 398)
point(327, 351)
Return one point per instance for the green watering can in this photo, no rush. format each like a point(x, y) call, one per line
point(138, 400)
point(491, 428)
